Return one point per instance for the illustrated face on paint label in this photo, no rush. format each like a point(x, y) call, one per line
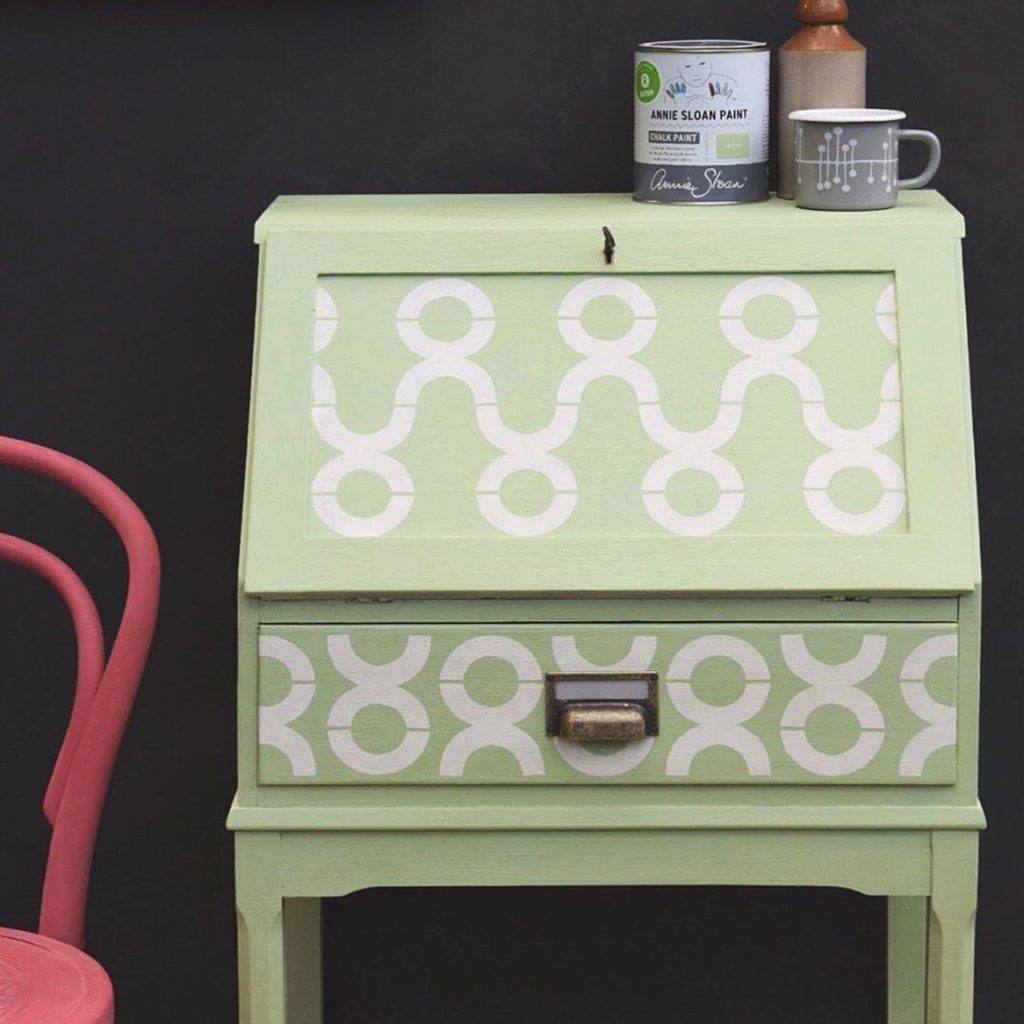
point(702, 121)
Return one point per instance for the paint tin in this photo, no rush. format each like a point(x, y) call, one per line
point(702, 114)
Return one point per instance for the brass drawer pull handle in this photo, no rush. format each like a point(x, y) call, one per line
point(602, 722)
point(602, 706)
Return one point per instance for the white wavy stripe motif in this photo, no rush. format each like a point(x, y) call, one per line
point(534, 451)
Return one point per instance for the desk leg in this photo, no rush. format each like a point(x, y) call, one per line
point(951, 928)
point(907, 958)
point(261, 930)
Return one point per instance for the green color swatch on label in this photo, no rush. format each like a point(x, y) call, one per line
point(648, 81)
point(733, 145)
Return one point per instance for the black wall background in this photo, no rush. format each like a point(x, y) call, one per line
point(138, 142)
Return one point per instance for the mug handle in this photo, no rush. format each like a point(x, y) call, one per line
point(934, 157)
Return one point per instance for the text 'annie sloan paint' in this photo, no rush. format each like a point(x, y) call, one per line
point(702, 121)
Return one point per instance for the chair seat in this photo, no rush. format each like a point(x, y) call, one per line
point(43, 981)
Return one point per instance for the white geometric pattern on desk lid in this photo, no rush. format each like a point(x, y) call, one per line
point(684, 450)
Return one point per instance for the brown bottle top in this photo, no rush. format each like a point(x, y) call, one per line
point(824, 27)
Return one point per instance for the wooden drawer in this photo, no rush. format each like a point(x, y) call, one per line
point(864, 703)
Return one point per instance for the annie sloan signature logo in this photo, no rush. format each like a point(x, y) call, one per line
point(713, 181)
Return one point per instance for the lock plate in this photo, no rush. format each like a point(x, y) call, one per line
point(606, 706)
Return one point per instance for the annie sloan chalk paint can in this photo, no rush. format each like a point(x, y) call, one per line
point(701, 124)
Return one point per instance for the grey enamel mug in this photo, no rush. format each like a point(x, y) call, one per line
point(848, 158)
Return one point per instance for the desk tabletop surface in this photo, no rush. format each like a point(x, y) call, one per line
point(924, 207)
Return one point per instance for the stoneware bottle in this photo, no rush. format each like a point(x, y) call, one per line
point(821, 66)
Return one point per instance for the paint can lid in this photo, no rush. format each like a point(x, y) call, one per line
point(702, 46)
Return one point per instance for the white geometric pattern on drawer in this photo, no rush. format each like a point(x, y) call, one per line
point(707, 726)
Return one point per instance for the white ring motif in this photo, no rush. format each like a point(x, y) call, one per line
point(378, 685)
point(718, 725)
point(833, 685)
point(368, 451)
point(492, 725)
point(850, 447)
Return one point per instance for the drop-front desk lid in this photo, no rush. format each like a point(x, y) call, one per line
point(461, 395)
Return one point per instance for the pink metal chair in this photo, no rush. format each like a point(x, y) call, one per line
point(45, 978)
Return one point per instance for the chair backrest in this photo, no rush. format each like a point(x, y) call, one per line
point(105, 689)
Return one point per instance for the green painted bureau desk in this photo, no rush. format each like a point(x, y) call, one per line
point(576, 556)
